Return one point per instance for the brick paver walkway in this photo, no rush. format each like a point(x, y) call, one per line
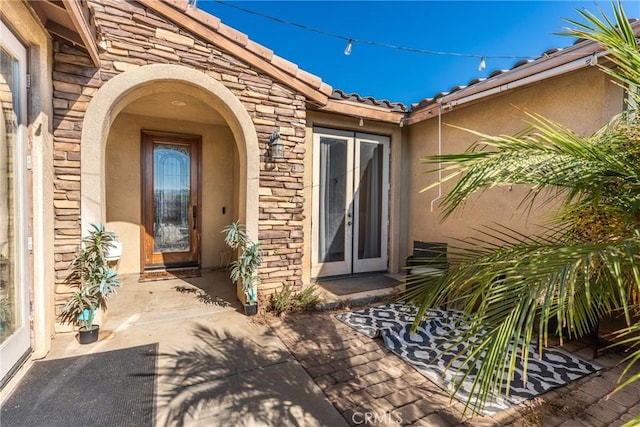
point(370, 385)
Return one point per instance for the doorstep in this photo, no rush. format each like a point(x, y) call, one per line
point(330, 300)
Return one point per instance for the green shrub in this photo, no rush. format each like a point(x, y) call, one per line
point(283, 301)
point(308, 298)
point(287, 300)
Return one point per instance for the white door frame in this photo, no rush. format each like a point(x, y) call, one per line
point(379, 263)
point(319, 268)
point(15, 347)
point(350, 264)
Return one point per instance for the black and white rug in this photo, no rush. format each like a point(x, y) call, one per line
point(429, 351)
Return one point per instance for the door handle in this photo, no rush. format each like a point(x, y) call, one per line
point(195, 216)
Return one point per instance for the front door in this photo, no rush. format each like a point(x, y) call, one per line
point(170, 200)
point(351, 202)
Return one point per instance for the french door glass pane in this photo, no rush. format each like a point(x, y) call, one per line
point(370, 201)
point(333, 189)
point(10, 318)
point(171, 190)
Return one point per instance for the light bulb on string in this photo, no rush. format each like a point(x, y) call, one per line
point(483, 64)
point(347, 50)
point(361, 122)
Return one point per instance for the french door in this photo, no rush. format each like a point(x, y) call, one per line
point(170, 195)
point(15, 332)
point(351, 202)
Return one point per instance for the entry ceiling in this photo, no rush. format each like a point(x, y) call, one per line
point(175, 106)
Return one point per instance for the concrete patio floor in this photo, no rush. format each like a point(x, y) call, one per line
point(252, 380)
point(308, 369)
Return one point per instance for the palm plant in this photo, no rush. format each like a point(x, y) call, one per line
point(250, 257)
point(583, 266)
point(91, 277)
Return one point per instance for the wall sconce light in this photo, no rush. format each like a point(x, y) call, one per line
point(276, 146)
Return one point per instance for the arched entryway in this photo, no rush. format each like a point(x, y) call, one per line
point(179, 102)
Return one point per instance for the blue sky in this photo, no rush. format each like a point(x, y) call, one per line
point(498, 28)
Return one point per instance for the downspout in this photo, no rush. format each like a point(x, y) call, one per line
point(439, 154)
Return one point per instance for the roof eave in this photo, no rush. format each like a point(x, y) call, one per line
point(359, 110)
point(77, 16)
point(213, 31)
point(571, 58)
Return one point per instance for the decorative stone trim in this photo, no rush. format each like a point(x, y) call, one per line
point(136, 36)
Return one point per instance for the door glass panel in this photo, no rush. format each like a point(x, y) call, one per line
point(333, 189)
point(171, 191)
point(370, 201)
point(10, 317)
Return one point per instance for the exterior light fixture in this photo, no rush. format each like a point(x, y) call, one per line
point(361, 122)
point(347, 50)
point(594, 60)
point(276, 146)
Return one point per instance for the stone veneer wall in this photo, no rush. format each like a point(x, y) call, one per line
point(135, 37)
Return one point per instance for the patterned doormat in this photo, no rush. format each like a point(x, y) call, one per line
point(426, 350)
point(154, 275)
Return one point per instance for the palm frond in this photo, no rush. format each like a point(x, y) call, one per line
point(514, 287)
point(617, 37)
point(549, 159)
point(518, 289)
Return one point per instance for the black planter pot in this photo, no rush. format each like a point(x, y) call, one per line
point(87, 336)
point(251, 309)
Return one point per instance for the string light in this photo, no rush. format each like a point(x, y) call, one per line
point(347, 50)
point(361, 122)
point(351, 41)
point(483, 64)
point(594, 60)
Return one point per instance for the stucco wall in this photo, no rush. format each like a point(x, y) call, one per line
point(582, 101)
point(123, 185)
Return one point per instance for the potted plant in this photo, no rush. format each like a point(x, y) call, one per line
point(245, 267)
point(93, 282)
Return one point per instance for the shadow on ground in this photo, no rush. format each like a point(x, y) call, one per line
point(223, 379)
point(360, 376)
point(367, 383)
